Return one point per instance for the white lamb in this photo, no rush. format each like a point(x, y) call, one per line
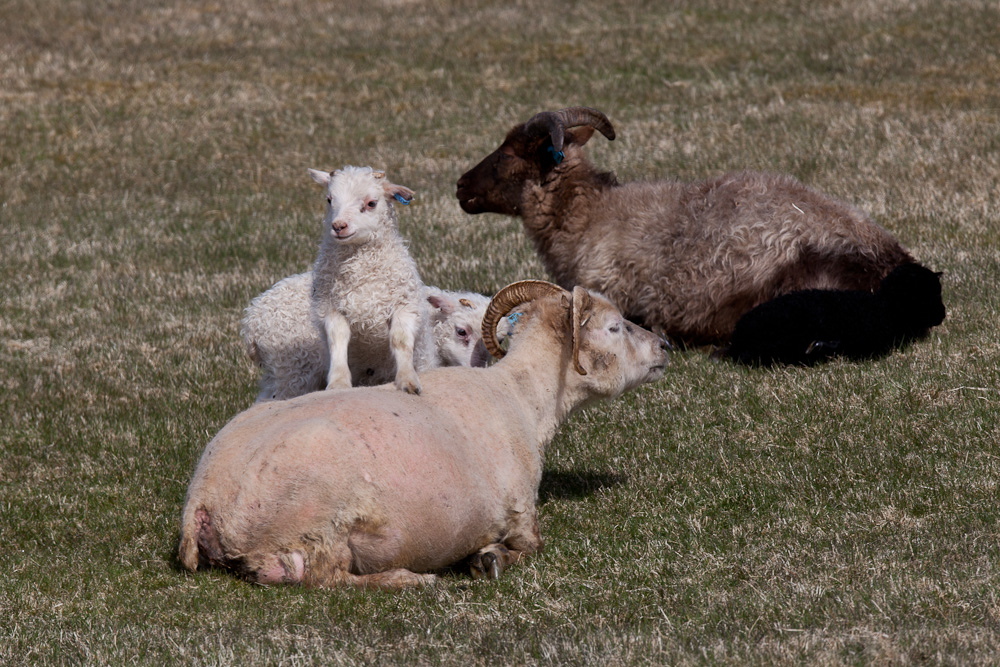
point(366, 288)
point(284, 336)
point(458, 326)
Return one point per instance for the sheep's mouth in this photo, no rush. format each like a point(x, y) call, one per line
point(344, 237)
point(469, 204)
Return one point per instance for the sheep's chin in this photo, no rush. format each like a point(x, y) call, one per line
point(347, 240)
point(469, 206)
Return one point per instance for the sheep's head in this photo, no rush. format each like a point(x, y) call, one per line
point(458, 318)
point(608, 354)
point(911, 294)
point(530, 150)
point(357, 198)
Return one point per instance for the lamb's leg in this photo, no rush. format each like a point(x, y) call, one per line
point(402, 336)
point(338, 334)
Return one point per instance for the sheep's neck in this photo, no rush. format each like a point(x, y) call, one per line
point(536, 370)
point(556, 213)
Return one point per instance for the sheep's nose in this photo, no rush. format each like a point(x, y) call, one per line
point(338, 226)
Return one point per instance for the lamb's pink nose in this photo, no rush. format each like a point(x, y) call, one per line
point(339, 226)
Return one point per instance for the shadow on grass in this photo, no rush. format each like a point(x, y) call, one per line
point(563, 484)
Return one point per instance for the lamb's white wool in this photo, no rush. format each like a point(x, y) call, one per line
point(367, 292)
point(458, 321)
point(285, 338)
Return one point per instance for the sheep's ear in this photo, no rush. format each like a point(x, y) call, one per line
point(402, 193)
point(321, 177)
point(441, 303)
point(579, 135)
point(580, 315)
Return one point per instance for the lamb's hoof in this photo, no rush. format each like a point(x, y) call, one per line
point(411, 387)
point(339, 383)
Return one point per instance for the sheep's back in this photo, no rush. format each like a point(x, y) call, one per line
point(691, 258)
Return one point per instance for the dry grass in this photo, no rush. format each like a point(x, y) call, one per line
point(152, 180)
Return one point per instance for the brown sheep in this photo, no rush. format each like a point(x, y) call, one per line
point(375, 487)
point(687, 259)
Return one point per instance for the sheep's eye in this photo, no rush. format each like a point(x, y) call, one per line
point(462, 333)
point(372, 204)
point(628, 327)
point(614, 328)
point(329, 200)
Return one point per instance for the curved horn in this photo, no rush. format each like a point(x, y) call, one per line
point(577, 116)
point(547, 123)
point(555, 123)
point(581, 300)
point(506, 300)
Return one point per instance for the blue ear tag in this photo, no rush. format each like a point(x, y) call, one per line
point(513, 318)
point(402, 200)
point(556, 155)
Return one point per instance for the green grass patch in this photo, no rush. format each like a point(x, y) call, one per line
point(153, 180)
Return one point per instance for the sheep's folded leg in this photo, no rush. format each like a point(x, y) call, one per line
point(338, 334)
point(492, 560)
point(402, 338)
point(389, 580)
point(523, 539)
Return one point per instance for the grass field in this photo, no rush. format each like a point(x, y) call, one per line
point(153, 180)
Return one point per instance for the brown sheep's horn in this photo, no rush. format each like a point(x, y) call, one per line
point(546, 123)
point(581, 301)
point(577, 116)
point(555, 123)
point(506, 300)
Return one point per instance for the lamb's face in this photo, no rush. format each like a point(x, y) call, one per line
point(358, 202)
point(355, 204)
point(458, 318)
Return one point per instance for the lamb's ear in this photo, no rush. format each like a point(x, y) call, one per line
point(442, 304)
point(321, 177)
point(579, 135)
point(581, 313)
point(403, 194)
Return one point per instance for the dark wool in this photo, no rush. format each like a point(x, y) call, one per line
point(684, 258)
point(813, 325)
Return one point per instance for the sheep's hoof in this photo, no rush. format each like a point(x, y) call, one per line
point(822, 347)
point(489, 562)
point(485, 565)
